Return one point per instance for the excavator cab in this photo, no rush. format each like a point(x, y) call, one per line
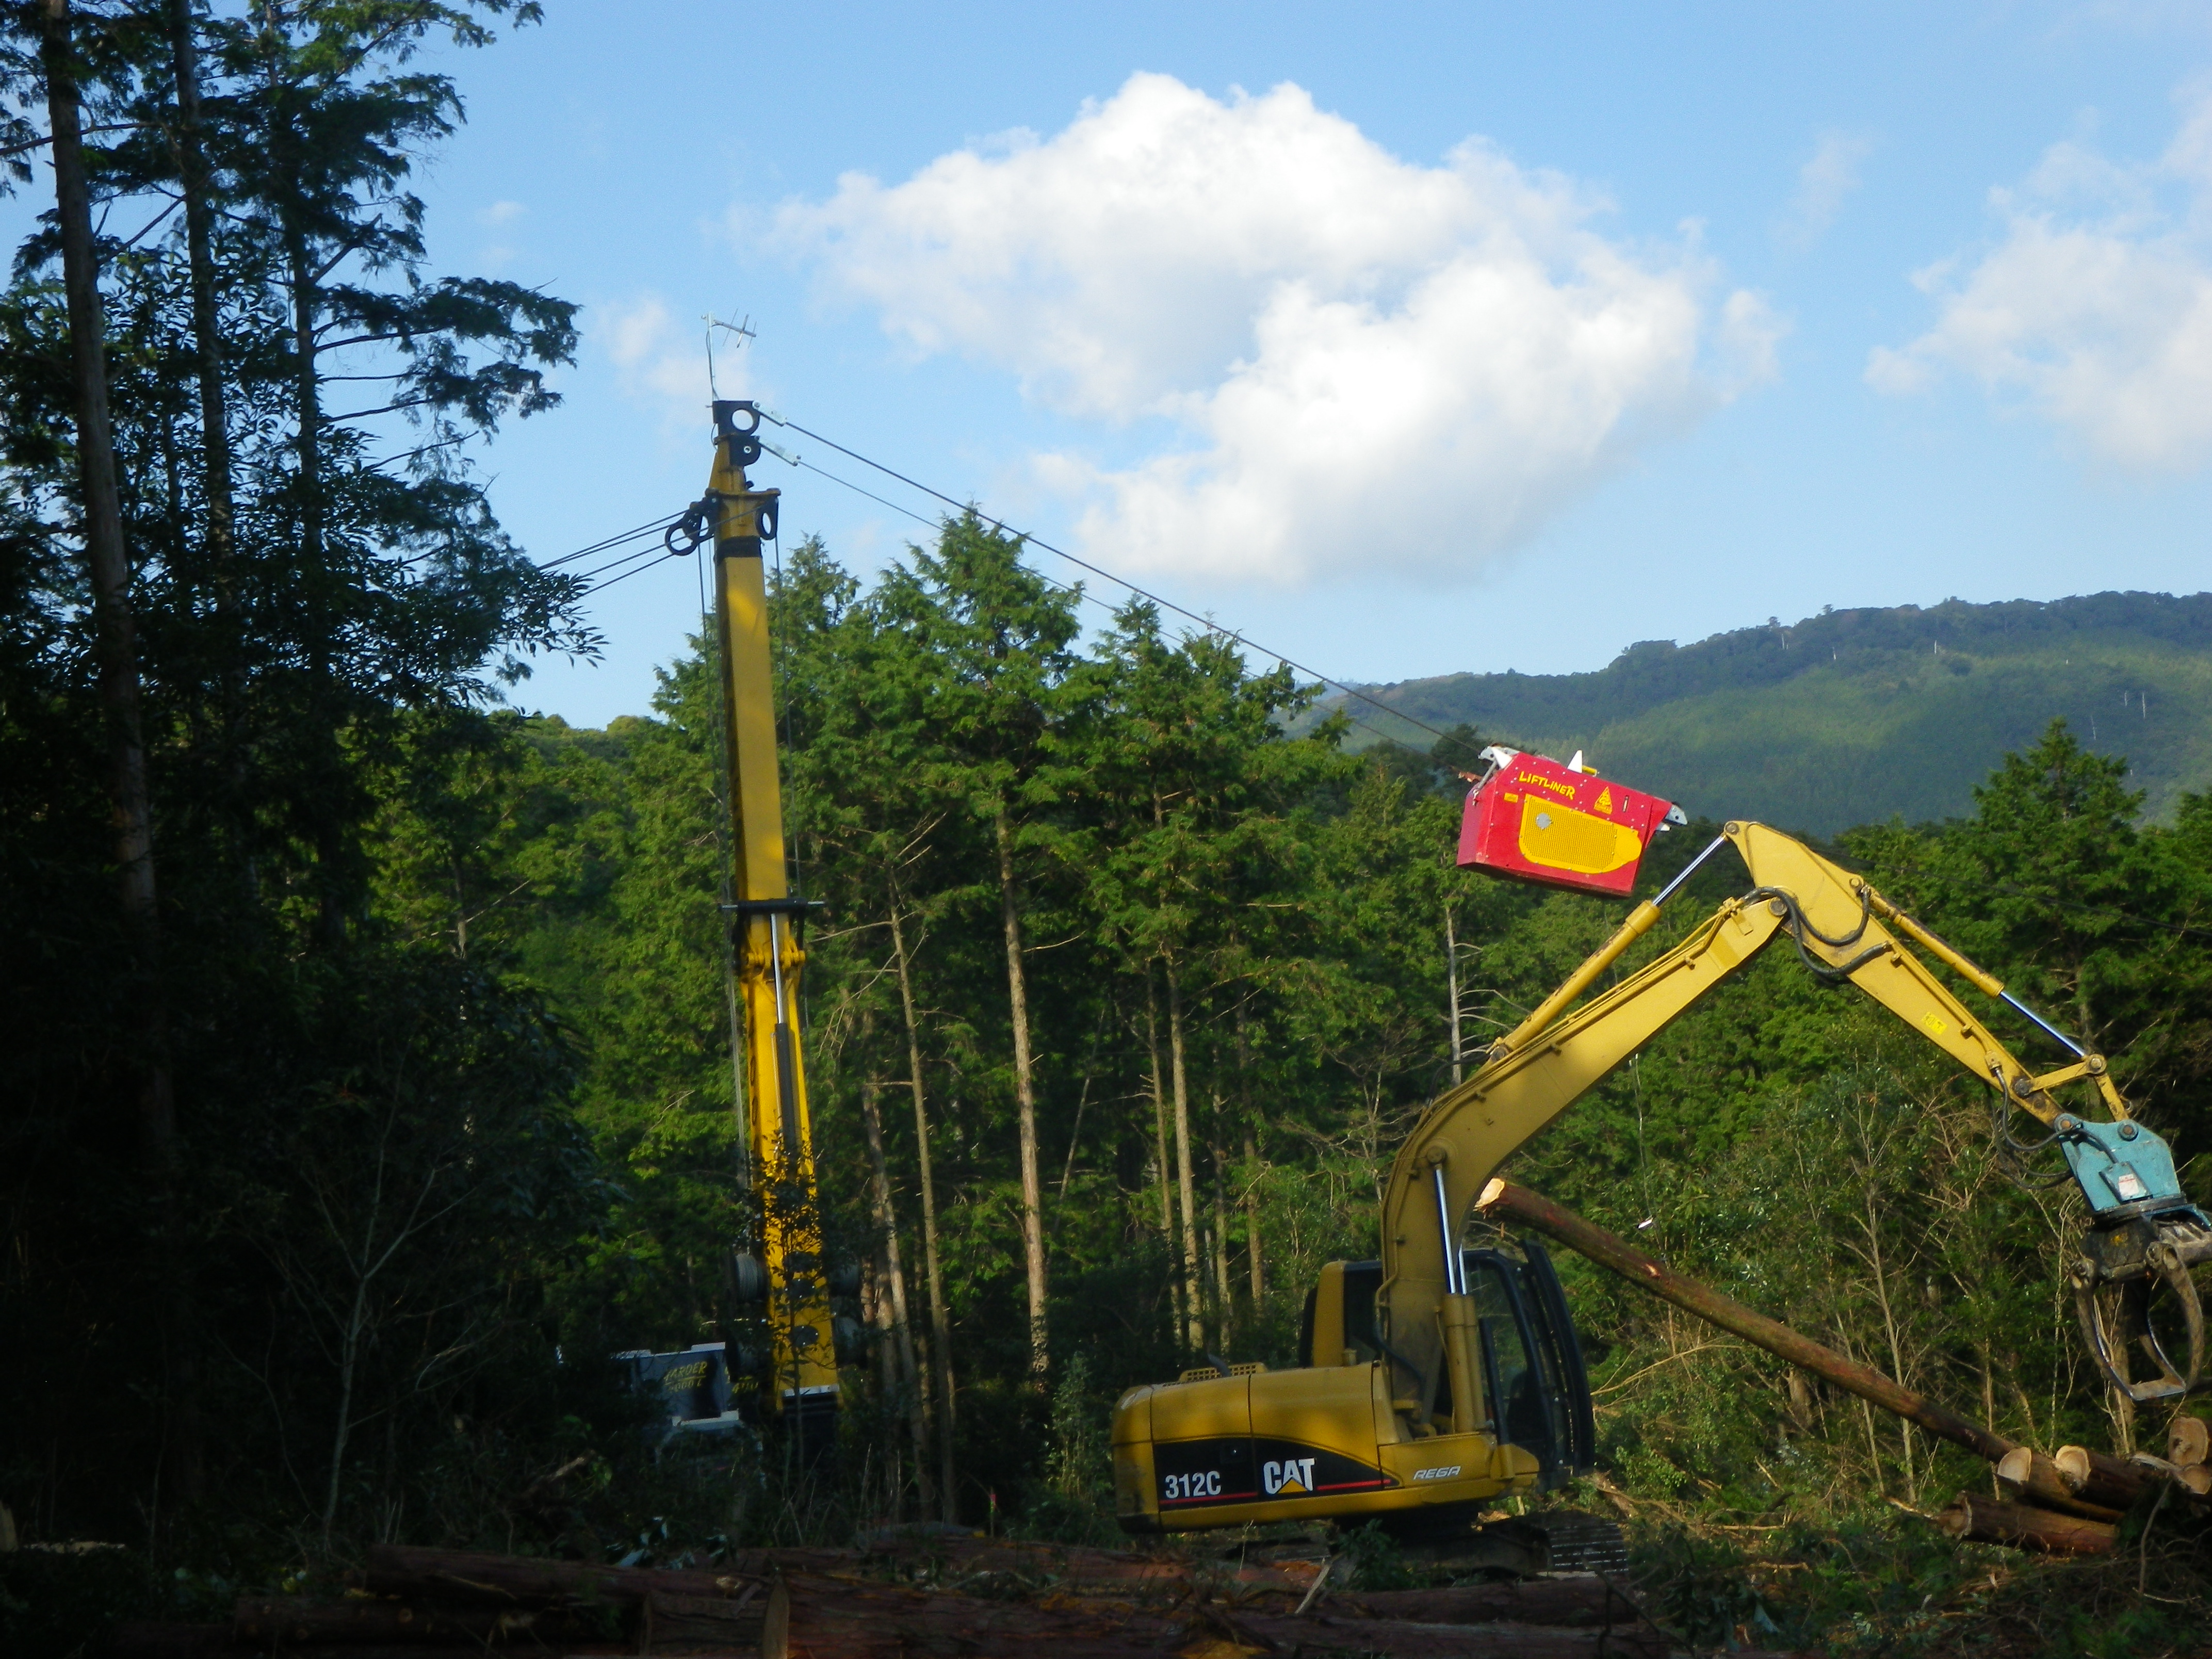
point(1532, 1360)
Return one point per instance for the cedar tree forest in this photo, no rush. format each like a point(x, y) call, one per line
point(369, 1081)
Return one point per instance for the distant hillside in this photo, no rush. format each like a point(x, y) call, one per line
point(1854, 715)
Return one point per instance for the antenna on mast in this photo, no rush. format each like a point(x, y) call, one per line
point(744, 331)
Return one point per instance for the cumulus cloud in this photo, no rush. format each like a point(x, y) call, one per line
point(1369, 362)
point(2095, 308)
point(1824, 184)
point(657, 360)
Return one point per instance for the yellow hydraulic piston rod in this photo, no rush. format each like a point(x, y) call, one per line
point(765, 920)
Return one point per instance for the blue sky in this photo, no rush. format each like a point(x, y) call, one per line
point(1407, 339)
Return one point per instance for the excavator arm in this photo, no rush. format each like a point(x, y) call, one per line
point(2143, 1231)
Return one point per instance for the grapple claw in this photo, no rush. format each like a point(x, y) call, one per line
point(2114, 1296)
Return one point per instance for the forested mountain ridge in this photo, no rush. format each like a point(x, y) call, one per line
point(1853, 716)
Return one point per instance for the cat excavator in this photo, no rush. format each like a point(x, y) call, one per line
point(1442, 1378)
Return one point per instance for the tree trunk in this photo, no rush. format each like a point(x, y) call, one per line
point(328, 783)
point(1252, 1221)
point(1185, 1187)
point(1220, 1172)
point(195, 185)
point(131, 812)
point(1160, 1153)
point(1025, 1102)
point(1251, 1198)
point(902, 1332)
point(940, 1322)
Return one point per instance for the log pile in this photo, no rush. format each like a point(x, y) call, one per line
point(909, 1594)
point(2071, 1503)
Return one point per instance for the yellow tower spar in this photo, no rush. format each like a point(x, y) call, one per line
point(801, 1383)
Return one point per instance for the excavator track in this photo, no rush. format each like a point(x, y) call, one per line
point(1526, 1546)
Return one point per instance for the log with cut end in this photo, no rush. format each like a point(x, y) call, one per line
point(2097, 1479)
point(2188, 1441)
point(1987, 1521)
point(2029, 1477)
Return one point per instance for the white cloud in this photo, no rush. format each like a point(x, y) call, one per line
point(1371, 362)
point(1824, 183)
point(501, 213)
point(2095, 309)
point(657, 360)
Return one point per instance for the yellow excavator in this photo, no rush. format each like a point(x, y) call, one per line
point(1442, 1378)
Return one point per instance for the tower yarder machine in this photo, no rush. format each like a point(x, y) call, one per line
point(784, 1274)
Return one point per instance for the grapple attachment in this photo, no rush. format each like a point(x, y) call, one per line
point(2150, 1346)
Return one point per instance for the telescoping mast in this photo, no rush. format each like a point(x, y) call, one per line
point(781, 1269)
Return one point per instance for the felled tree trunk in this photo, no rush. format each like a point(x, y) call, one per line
point(269, 1624)
point(839, 1618)
point(1987, 1521)
point(452, 1576)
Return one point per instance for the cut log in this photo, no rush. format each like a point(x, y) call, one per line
point(1582, 1600)
point(269, 1623)
point(821, 1618)
point(2031, 1478)
point(450, 1575)
point(843, 1619)
point(2188, 1441)
point(675, 1623)
point(1984, 1521)
point(2098, 1478)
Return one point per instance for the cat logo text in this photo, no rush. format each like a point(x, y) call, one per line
point(1289, 1478)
